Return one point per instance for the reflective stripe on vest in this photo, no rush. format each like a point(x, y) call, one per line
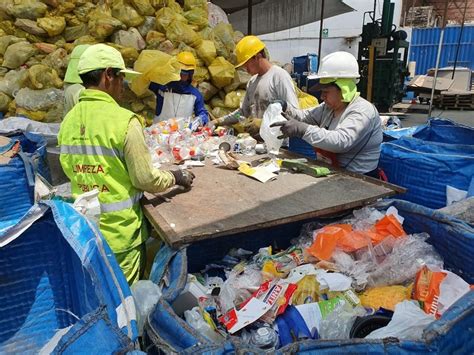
point(90, 150)
point(121, 205)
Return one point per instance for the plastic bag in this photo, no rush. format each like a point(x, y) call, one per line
point(222, 72)
point(154, 38)
point(5, 41)
point(130, 38)
point(41, 77)
point(165, 16)
point(216, 15)
point(216, 101)
point(223, 37)
point(147, 26)
point(145, 294)
point(408, 256)
point(269, 134)
point(126, 14)
point(143, 7)
point(72, 33)
point(53, 25)
point(193, 4)
point(326, 239)
point(305, 100)
point(197, 17)
point(179, 31)
point(241, 78)
point(220, 111)
point(4, 102)
point(234, 99)
point(386, 297)
point(30, 9)
point(13, 81)
point(207, 90)
point(207, 51)
point(155, 66)
point(38, 100)
point(17, 54)
point(57, 60)
point(307, 291)
point(103, 26)
point(408, 322)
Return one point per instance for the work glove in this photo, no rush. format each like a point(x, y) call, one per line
point(291, 128)
point(183, 177)
point(283, 104)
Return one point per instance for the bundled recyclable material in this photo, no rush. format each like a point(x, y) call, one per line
point(345, 280)
point(36, 38)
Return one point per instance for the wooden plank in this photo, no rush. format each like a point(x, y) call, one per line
point(223, 202)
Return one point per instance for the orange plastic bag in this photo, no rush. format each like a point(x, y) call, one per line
point(389, 225)
point(353, 241)
point(326, 240)
point(426, 289)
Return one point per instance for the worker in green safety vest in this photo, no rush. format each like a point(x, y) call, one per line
point(102, 147)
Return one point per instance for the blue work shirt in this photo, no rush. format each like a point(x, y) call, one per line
point(178, 87)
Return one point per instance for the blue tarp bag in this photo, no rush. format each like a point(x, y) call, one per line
point(452, 333)
point(17, 178)
point(62, 290)
point(440, 154)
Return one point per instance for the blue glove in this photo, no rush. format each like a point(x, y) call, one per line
point(194, 125)
point(291, 128)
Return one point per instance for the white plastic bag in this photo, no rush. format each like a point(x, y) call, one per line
point(145, 294)
point(270, 135)
point(408, 322)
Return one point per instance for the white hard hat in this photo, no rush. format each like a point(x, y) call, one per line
point(338, 65)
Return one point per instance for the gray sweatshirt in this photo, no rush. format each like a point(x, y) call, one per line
point(355, 136)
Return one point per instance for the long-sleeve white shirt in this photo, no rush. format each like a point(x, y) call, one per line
point(355, 136)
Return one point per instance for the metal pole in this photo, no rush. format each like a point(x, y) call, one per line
point(370, 74)
point(459, 40)
point(249, 17)
point(320, 32)
point(440, 45)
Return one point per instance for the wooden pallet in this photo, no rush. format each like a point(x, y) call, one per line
point(457, 100)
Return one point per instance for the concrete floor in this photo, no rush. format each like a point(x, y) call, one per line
point(414, 119)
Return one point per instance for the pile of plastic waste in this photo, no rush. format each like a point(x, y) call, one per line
point(361, 278)
point(37, 37)
point(174, 141)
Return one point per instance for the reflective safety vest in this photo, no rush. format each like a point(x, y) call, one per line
point(91, 140)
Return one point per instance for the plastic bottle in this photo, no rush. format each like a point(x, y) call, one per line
point(195, 319)
point(264, 338)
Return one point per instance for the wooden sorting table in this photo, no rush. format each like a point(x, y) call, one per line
point(224, 202)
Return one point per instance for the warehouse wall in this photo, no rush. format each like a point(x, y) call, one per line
point(285, 45)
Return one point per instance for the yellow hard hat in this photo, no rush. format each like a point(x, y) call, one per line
point(187, 61)
point(247, 47)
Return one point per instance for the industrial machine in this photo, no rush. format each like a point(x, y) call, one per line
point(382, 57)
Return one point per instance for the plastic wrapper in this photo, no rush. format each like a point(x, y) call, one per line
point(143, 7)
point(406, 258)
point(145, 294)
point(386, 297)
point(307, 291)
point(238, 288)
point(41, 77)
point(13, 81)
point(52, 25)
point(223, 37)
point(126, 14)
point(338, 323)
point(38, 100)
point(408, 322)
point(207, 51)
point(222, 72)
point(17, 54)
point(270, 134)
point(179, 31)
